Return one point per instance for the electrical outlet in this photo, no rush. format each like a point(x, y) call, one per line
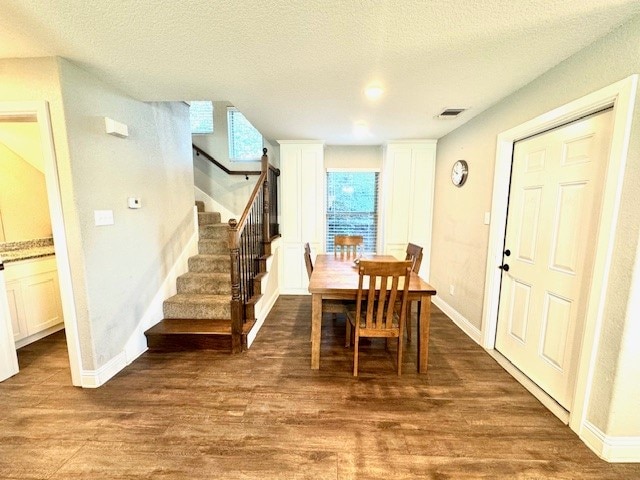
point(452, 290)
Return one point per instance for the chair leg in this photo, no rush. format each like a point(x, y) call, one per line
point(347, 333)
point(400, 353)
point(408, 322)
point(355, 354)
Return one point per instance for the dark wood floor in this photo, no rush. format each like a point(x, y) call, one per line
point(264, 414)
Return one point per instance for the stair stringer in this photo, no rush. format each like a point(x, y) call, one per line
point(270, 289)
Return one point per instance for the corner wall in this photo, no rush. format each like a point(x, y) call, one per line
point(460, 238)
point(124, 265)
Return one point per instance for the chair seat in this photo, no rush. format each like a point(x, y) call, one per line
point(351, 315)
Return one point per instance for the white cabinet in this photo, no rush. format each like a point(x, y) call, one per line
point(408, 175)
point(302, 209)
point(34, 298)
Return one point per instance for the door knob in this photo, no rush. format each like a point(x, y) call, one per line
point(504, 267)
point(507, 252)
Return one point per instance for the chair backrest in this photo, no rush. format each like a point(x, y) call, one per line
point(414, 253)
point(382, 296)
point(347, 244)
point(307, 259)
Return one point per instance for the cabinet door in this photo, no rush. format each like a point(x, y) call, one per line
point(408, 185)
point(303, 212)
point(16, 310)
point(42, 301)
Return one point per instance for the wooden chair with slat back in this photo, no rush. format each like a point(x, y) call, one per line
point(347, 244)
point(382, 312)
point(328, 306)
point(414, 254)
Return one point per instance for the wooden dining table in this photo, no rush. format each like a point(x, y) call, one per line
point(336, 277)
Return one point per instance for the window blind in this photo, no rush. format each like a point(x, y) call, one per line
point(245, 142)
point(352, 207)
point(201, 117)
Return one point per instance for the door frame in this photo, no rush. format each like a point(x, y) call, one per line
point(621, 96)
point(39, 110)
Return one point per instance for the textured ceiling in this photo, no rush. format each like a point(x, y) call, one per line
point(297, 68)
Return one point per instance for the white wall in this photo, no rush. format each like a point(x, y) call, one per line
point(123, 265)
point(231, 191)
point(460, 238)
point(23, 198)
point(355, 157)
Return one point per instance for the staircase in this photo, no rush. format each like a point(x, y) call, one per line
point(199, 315)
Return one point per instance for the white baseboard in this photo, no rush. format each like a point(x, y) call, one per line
point(100, 376)
point(465, 325)
point(137, 343)
point(611, 449)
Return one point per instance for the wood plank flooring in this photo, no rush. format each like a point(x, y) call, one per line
point(264, 414)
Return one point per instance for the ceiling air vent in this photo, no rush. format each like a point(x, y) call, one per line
point(451, 112)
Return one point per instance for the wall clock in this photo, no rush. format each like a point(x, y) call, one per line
point(459, 173)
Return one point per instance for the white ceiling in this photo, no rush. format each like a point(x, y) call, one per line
point(297, 68)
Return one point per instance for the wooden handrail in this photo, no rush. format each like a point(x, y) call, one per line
point(252, 199)
point(199, 152)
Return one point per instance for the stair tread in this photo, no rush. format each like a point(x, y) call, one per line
point(220, 275)
point(194, 326)
point(198, 298)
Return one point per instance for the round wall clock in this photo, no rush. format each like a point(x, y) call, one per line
point(459, 173)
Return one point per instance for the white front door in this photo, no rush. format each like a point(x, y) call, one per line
point(554, 207)
point(8, 356)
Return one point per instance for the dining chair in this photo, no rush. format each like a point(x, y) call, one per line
point(381, 304)
point(347, 244)
point(414, 253)
point(328, 306)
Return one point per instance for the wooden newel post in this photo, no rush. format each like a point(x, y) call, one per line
point(266, 208)
point(236, 302)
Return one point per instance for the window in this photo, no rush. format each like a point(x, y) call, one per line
point(352, 206)
point(201, 116)
point(245, 142)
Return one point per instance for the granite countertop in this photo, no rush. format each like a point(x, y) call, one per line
point(27, 249)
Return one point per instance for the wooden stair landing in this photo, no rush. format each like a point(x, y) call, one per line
point(192, 334)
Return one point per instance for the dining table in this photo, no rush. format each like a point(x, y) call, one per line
point(335, 277)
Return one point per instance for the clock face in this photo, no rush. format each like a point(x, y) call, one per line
point(459, 173)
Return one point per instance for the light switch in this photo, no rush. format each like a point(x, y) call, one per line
point(103, 217)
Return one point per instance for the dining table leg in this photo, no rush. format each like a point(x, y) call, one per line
point(316, 326)
point(424, 312)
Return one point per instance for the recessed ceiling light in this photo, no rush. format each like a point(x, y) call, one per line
point(373, 92)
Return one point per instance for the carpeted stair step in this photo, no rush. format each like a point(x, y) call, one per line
point(213, 247)
point(200, 205)
point(210, 264)
point(190, 305)
point(207, 283)
point(208, 218)
point(215, 231)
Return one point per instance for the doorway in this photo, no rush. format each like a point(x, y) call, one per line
point(621, 96)
point(554, 210)
point(38, 112)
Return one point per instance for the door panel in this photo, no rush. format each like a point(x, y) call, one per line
point(528, 234)
point(554, 206)
point(555, 329)
point(519, 315)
